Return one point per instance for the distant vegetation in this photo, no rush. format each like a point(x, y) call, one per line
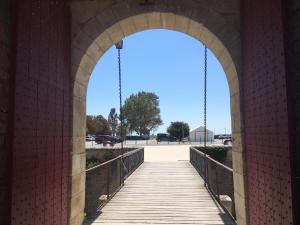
point(97, 125)
point(113, 121)
point(179, 130)
point(142, 113)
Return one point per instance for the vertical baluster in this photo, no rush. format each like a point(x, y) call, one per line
point(217, 183)
point(107, 180)
point(120, 165)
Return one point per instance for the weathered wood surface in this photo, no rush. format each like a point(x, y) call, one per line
point(163, 193)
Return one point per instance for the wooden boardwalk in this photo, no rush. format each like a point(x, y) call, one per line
point(163, 193)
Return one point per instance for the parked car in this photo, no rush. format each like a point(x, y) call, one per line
point(227, 141)
point(224, 136)
point(165, 137)
point(217, 136)
point(89, 138)
point(106, 139)
point(136, 137)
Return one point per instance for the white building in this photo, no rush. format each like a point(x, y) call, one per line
point(197, 134)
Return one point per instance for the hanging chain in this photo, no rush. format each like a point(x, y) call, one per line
point(119, 47)
point(205, 92)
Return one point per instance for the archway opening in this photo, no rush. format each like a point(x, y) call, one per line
point(86, 51)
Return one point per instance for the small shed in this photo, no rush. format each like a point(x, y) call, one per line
point(197, 134)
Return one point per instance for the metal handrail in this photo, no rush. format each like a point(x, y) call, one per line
point(131, 152)
point(104, 164)
point(213, 174)
point(107, 178)
point(131, 161)
point(213, 160)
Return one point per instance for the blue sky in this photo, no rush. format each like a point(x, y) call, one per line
point(169, 64)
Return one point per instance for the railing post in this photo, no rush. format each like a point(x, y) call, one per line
point(217, 183)
point(205, 171)
point(108, 181)
point(120, 170)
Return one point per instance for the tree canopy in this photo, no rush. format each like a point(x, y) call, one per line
point(142, 113)
point(113, 121)
point(97, 125)
point(179, 129)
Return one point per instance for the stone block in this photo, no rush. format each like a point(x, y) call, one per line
point(207, 37)
point(127, 26)
point(79, 75)
point(217, 47)
point(78, 163)
point(240, 208)
point(230, 71)
point(94, 52)
point(115, 32)
point(78, 184)
point(104, 41)
point(140, 22)
point(93, 28)
point(237, 145)
point(82, 41)
point(83, 13)
point(78, 144)
point(79, 91)
point(239, 183)
point(195, 29)
point(235, 102)
point(77, 219)
point(76, 55)
point(182, 23)
point(225, 58)
point(168, 20)
point(154, 20)
point(77, 205)
point(239, 162)
point(237, 123)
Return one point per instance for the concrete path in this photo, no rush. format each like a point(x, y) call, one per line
point(167, 153)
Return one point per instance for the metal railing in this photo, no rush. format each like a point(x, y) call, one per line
point(132, 160)
point(104, 181)
point(218, 179)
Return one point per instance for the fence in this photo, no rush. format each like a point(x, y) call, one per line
point(104, 180)
point(132, 160)
point(217, 177)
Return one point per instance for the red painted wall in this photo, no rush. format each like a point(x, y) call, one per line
point(40, 142)
point(265, 113)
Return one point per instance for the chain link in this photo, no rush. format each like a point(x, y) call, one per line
point(120, 98)
point(205, 92)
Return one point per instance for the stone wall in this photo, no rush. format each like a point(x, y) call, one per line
point(293, 69)
point(5, 44)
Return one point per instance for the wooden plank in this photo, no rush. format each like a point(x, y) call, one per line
point(163, 193)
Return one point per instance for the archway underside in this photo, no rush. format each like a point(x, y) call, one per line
point(103, 29)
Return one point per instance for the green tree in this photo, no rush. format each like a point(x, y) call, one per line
point(179, 129)
point(113, 121)
point(142, 113)
point(97, 125)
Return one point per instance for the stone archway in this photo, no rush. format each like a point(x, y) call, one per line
point(97, 25)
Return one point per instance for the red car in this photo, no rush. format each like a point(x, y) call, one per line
point(106, 139)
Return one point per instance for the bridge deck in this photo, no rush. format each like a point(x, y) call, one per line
point(163, 193)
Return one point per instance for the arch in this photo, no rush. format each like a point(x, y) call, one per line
point(95, 29)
